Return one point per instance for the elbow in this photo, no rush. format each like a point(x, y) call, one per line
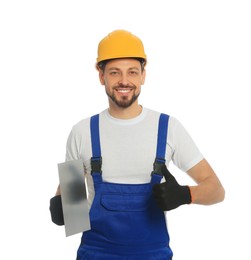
point(222, 194)
point(217, 196)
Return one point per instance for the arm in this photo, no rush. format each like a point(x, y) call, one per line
point(209, 189)
point(58, 192)
point(170, 194)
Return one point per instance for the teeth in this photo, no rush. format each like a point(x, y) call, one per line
point(124, 90)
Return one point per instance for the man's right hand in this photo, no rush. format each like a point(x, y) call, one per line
point(56, 210)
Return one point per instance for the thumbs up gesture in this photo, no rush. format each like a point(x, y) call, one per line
point(170, 194)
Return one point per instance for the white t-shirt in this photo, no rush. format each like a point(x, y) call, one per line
point(128, 147)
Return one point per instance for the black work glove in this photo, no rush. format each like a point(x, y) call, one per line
point(170, 195)
point(56, 210)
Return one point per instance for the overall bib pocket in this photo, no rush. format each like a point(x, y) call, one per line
point(124, 214)
point(125, 202)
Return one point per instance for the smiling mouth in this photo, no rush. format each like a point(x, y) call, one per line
point(123, 90)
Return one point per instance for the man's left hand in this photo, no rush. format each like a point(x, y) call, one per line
point(170, 194)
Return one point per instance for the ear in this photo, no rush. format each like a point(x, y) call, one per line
point(101, 75)
point(143, 77)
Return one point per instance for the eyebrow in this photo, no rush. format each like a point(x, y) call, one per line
point(132, 68)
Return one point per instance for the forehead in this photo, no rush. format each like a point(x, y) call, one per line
point(123, 63)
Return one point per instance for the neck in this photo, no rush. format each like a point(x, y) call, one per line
point(125, 113)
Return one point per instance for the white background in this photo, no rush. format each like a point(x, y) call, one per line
point(199, 66)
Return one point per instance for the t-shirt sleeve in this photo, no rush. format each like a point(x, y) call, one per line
point(72, 146)
point(185, 152)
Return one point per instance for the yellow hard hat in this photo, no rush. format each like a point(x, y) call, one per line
point(120, 44)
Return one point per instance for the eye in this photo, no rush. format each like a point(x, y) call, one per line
point(113, 72)
point(133, 72)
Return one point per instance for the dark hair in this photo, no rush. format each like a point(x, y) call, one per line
point(103, 63)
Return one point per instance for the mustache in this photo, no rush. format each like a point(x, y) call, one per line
point(124, 86)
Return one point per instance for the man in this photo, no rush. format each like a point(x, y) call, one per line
point(126, 150)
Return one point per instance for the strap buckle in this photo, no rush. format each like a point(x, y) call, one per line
point(157, 166)
point(96, 164)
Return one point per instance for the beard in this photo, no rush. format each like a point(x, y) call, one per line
point(124, 101)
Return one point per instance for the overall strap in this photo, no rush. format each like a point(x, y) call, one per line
point(161, 148)
point(96, 160)
point(96, 151)
point(162, 137)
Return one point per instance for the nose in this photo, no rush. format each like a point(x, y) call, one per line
point(123, 80)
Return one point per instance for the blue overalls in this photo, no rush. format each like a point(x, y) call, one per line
point(125, 221)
